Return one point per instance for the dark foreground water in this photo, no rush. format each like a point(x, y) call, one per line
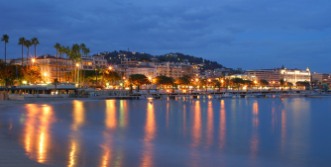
point(229, 132)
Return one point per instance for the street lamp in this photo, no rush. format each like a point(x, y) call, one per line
point(33, 60)
point(77, 73)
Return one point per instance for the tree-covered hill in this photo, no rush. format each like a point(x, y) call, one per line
point(116, 57)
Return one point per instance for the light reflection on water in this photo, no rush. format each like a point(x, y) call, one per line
point(150, 129)
point(204, 132)
point(36, 133)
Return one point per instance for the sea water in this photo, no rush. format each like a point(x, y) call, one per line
point(186, 132)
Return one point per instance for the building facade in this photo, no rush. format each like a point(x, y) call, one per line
point(174, 70)
point(274, 76)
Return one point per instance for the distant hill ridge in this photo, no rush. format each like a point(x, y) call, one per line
point(116, 57)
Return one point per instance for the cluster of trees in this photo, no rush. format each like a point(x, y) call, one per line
point(24, 43)
point(13, 74)
point(116, 58)
point(74, 52)
point(30, 73)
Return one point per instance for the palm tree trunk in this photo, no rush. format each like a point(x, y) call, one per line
point(27, 55)
point(22, 54)
point(6, 79)
point(35, 50)
point(5, 54)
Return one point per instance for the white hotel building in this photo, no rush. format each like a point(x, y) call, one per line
point(273, 76)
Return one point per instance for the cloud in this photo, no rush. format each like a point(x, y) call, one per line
point(226, 31)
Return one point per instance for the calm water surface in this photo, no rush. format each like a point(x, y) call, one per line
point(229, 132)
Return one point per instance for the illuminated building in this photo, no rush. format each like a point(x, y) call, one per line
point(52, 68)
point(273, 76)
point(148, 71)
point(174, 70)
point(295, 75)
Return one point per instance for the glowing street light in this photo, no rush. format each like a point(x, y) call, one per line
point(77, 73)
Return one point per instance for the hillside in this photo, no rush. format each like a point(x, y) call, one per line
point(116, 57)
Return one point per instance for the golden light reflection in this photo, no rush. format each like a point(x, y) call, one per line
point(184, 120)
point(111, 120)
point(210, 123)
point(167, 113)
point(283, 129)
point(150, 123)
point(255, 114)
point(150, 129)
point(196, 129)
point(78, 121)
point(222, 124)
point(73, 154)
point(78, 115)
point(36, 133)
point(106, 157)
point(123, 114)
point(255, 139)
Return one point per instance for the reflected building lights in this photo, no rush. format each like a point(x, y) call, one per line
point(123, 114)
point(167, 113)
point(150, 123)
point(222, 124)
point(283, 129)
point(255, 139)
point(78, 115)
point(78, 121)
point(106, 157)
point(150, 129)
point(184, 119)
point(210, 123)
point(196, 129)
point(73, 154)
point(255, 114)
point(36, 133)
point(111, 120)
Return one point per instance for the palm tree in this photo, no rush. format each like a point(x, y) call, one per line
point(85, 52)
point(57, 47)
point(84, 49)
point(75, 56)
point(35, 42)
point(5, 39)
point(27, 44)
point(21, 42)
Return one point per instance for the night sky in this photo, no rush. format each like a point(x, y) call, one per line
point(248, 34)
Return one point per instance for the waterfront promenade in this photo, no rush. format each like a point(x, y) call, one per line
point(161, 94)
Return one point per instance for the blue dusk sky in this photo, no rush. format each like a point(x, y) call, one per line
point(248, 34)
